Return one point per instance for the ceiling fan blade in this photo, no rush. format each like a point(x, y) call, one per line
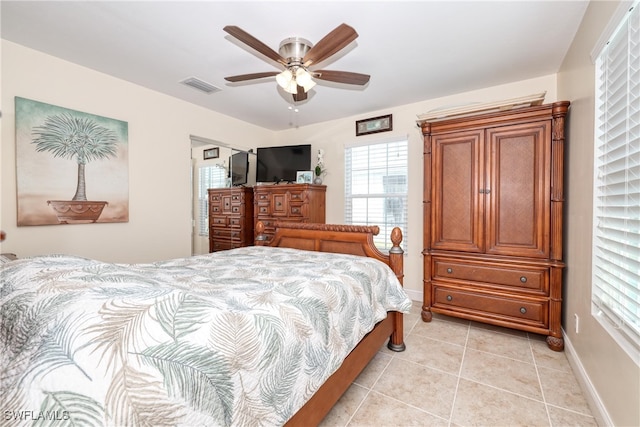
point(301, 95)
point(337, 39)
point(252, 76)
point(254, 43)
point(342, 77)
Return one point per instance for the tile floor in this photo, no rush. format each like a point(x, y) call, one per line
point(460, 373)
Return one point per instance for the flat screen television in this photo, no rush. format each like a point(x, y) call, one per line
point(239, 168)
point(277, 164)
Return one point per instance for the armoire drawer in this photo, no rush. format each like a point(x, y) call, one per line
point(530, 312)
point(532, 278)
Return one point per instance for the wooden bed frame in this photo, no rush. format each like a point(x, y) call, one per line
point(355, 240)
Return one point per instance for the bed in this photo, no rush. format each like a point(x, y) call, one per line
point(265, 335)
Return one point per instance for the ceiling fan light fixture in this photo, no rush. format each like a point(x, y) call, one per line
point(307, 87)
point(284, 79)
point(303, 77)
point(292, 87)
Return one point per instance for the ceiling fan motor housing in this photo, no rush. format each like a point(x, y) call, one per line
point(294, 49)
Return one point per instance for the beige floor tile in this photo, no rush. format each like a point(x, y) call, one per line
point(443, 330)
point(379, 410)
point(486, 340)
point(501, 372)
point(562, 389)
point(344, 409)
point(432, 353)
point(499, 329)
point(416, 307)
point(374, 369)
point(545, 357)
point(564, 418)
point(460, 373)
point(418, 386)
point(481, 405)
point(410, 321)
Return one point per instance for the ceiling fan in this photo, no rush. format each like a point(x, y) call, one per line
point(297, 56)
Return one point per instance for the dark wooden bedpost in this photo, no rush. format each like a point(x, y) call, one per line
point(396, 262)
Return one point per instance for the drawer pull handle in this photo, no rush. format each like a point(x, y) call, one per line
point(449, 298)
point(449, 270)
point(523, 310)
point(523, 279)
point(279, 204)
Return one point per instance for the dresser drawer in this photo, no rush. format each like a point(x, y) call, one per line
point(295, 209)
point(296, 196)
point(220, 233)
point(235, 221)
point(522, 278)
point(237, 198)
point(529, 312)
point(220, 221)
point(221, 245)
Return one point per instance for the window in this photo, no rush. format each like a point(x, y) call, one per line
point(208, 177)
point(616, 237)
point(376, 188)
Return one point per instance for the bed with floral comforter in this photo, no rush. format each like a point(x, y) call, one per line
point(241, 337)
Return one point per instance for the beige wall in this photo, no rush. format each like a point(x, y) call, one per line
point(609, 371)
point(159, 224)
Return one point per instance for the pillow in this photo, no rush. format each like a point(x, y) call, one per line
point(4, 258)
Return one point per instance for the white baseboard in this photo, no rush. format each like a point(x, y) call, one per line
point(595, 403)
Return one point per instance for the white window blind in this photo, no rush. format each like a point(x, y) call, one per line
point(208, 177)
point(616, 238)
point(376, 188)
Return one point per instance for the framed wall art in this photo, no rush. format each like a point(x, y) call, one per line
point(211, 153)
point(374, 125)
point(72, 167)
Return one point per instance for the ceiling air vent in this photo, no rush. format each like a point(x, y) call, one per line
point(201, 85)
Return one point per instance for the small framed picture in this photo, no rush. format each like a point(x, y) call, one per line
point(374, 125)
point(304, 177)
point(211, 153)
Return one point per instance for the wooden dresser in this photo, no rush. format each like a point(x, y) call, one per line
point(230, 218)
point(493, 212)
point(288, 202)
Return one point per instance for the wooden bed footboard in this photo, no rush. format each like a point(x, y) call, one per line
point(355, 240)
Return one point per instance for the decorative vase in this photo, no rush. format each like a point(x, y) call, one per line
point(317, 180)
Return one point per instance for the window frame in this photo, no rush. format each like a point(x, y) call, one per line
point(610, 300)
point(383, 240)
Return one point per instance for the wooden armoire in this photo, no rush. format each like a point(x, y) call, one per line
point(493, 213)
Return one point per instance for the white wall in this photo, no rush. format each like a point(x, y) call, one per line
point(159, 224)
point(332, 137)
point(608, 370)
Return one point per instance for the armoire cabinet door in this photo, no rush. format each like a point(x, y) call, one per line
point(457, 176)
point(518, 190)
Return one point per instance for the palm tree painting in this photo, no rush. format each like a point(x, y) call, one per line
point(58, 148)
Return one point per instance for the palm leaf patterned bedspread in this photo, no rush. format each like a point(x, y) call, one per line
point(241, 337)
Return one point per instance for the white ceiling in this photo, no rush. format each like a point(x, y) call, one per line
point(414, 51)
